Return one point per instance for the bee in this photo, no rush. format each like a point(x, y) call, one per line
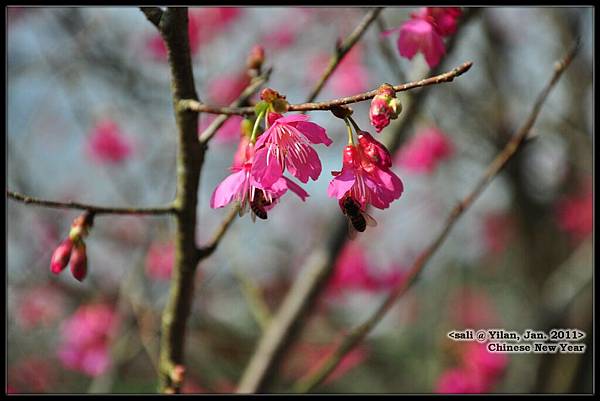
point(257, 205)
point(357, 219)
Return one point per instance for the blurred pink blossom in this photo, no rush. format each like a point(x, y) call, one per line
point(226, 88)
point(204, 24)
point(32, 375)
point(352, 271)
point(497, 232)
point(229, 132)
point(311, 356)
point(426, 149)
point(107, 143)
point(350, 77)
point(159, 260)
point(41, 305)
point(472, 308)
point(575, 213)
point(85, 337)
point(424, 31)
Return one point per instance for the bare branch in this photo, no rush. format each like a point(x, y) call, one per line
point(328, 105)
point(92, 208)
point(492, 171)
point(154, 15)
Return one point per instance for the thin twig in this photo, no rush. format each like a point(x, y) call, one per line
point(91, 208)
point(328, 105)
point(343, 49)
point(209, 248)
point(310, 382)
point(218, 122)
point(154, 14)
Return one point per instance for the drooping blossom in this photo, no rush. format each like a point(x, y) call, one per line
point(225, 89)
point(424, 31)
point(107, 144)
point(159, 260)
point(229, 131)
point(365, 180)
point(352, 271)
point(41, 305)
point(311, 356)
point(286, 145)
point(240, 185)
point(32, 375)
point(575, 213)
point(424, 152)
point(384, 107)
point(85, 339)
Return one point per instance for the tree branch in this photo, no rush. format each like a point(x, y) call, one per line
point(190, 156)
point(91, 208)
point(492, 171)
point(328, 105)
point(154, 15)
point(209, 248)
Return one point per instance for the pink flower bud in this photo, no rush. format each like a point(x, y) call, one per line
point(384, 107)
point(386, 90)
point(374, 150)
point(79, 261)
point(256, 58)
point(61, 255)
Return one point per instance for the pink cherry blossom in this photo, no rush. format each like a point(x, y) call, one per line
point(364, 181)
point(350, 77)
point(226, 88)
point(425, 151)
point(229, 131)
point(419, 35)
point(575, 213)
point(478, 360)
point(85, 339)
point(38, 306)
point(204, 24)
point(352, 271)
point(107, 144)
point(240, 186)
point(285, 145)
point(443, 18)
point(33, 375)
point(79, 261)
point(159, 260)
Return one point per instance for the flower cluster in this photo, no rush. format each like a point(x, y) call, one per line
point(73, 248)
point(286, 144)
point(85, 336)
point(365, 179)
point(478, 372)
point(257, 176)
point(424, 32)
point(384, 107)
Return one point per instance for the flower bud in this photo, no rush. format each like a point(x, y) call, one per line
point(268, 94)
point(277, 102)
point(384, 107)
point(374, 150)
point(61, 256)
point(255, 58)
point(79, 261)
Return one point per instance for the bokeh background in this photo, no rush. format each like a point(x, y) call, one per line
point(89, 118)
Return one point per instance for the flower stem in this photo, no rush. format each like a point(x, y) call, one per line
point(255, 128)
point(349, 128)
